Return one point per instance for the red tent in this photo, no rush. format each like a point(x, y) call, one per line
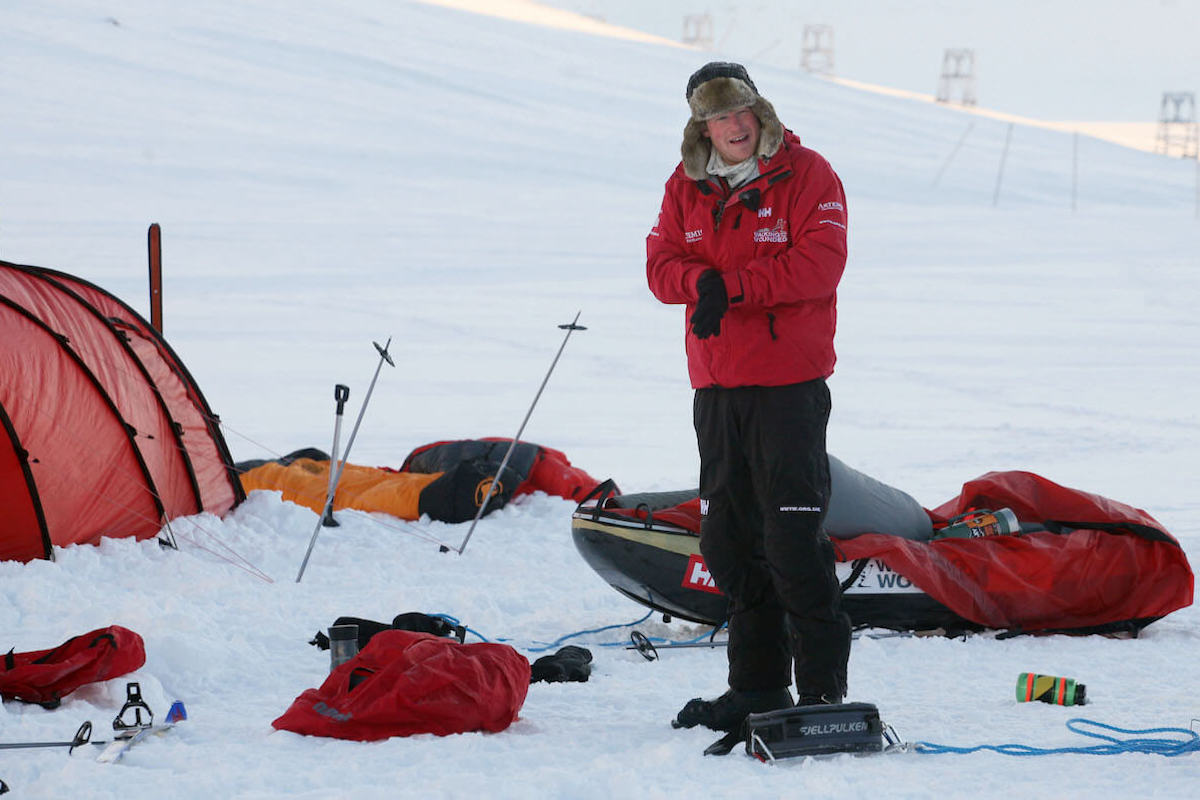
point(103, 432)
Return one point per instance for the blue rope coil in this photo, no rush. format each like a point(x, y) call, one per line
point(541, 646)
point(1189, 743)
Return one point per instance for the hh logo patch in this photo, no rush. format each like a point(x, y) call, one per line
point(697, 577)
point(764, 212)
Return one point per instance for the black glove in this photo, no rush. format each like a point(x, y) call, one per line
point(571, 663)
point(711, 305)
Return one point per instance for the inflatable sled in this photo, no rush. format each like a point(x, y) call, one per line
point(1077, 562)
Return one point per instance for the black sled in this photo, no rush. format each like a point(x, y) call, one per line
point(639, 545)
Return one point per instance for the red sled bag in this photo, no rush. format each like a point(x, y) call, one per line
point(46, 676)
point(405, 682)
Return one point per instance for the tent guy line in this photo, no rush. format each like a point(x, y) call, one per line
point(135, 482)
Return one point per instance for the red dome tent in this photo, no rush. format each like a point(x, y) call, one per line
point(103, 432)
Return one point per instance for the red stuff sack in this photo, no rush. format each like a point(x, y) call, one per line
point(405, 682)
point(47, 676)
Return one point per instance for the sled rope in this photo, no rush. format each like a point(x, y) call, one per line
point(540, 646)
point(1169, 747)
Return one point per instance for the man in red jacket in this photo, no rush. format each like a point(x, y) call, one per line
point(752, 239)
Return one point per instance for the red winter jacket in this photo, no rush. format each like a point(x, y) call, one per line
point(780, 242)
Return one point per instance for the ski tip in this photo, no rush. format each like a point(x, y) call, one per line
point(177, 712)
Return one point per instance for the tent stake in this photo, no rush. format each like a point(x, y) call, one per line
point(570, 328)
point(335, 476)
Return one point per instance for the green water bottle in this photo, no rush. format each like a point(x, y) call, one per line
point(1050, 689)
point(979, 523)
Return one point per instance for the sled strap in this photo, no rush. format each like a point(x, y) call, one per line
point(601, 491)
point(644, 508)
point(53, 654)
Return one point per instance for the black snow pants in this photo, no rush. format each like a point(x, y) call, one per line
point(764, 486)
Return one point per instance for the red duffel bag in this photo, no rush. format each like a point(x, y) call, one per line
point(47, 676)
point(405, 682)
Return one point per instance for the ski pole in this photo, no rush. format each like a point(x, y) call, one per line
point(570, 328)
point(335, 477)
point(649, 650)
point(82, 736)
point(383, 356)
point(340, 394)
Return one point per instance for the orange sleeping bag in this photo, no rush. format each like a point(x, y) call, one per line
point(306, 482)
point(446, 481)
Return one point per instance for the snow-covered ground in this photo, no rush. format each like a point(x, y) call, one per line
point(328, 175)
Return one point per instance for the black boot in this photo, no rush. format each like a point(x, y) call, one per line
point(827, 699)
point(728, 711)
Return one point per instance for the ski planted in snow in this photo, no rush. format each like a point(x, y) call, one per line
point(115, 749)
point(128, 732)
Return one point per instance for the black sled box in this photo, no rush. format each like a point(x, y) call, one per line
point(814, 730)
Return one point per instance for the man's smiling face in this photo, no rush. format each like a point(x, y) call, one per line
point(734, 134)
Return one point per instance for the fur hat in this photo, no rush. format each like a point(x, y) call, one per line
point(717, 88)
